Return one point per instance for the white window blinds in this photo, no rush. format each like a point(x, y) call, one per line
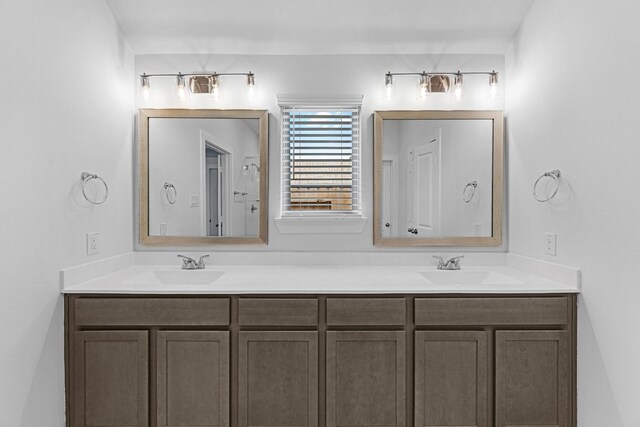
point(320, 161)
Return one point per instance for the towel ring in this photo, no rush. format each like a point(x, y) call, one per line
point(473, 185)
point(167, 193)
point(555, 175)
point(86, 177)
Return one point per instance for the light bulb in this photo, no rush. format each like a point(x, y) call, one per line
point(251, 80)
point(181, 87)
point(146, 89)
point(423, 85)
point(251, 85)
point(493, 84)
point(388, 85)
point(215, 86)
point(457, 86)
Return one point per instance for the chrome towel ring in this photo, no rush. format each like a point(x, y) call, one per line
point(473, 185)
point(167, 192)
point(555, 175)
point(86, 177)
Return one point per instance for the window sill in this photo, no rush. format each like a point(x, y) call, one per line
point(321, 225)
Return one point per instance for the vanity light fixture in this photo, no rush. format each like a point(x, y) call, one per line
point(457, 85)
point(215, 85)
point(181, 87)
point(440, 82)
point(493, 84)
point(251, 85)
point(424, 85)
point(251, 80)
point(146, 88)
point(388, 85)
point(204, 82)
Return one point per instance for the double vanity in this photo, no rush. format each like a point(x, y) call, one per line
point(155, 345)
point(332, 339)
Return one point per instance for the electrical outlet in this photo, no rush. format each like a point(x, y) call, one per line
point(550, 243)
point(93, 243)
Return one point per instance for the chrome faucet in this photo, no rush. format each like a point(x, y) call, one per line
point(451, 264)
point(189, 263)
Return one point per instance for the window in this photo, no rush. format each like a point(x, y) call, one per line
point(320, 161)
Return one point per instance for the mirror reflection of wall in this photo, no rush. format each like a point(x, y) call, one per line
point(426, 167)
point(204, 159)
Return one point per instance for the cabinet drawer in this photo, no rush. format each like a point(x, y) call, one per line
point(151, 311)
point(278, 312)
point(492, 311)
point(366, 311)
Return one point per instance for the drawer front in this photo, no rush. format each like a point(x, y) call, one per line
point(151, 311)
point(492, 311)
point(277, 312)
point(366, 311)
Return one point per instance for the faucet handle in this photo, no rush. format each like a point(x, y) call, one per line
point(455, 261)
point(200, 263)
point(440, 261)
point(186, 261)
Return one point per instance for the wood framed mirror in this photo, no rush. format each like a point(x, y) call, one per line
point(203, 176)
point(438, 178)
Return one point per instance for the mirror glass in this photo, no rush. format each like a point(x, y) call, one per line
point(438, 177)
point(204, 176)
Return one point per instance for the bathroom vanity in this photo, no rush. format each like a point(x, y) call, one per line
point(416, 354)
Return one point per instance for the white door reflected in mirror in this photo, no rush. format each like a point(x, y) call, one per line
point(426, 165)
point(438, 178)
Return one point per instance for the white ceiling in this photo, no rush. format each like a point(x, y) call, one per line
point(319, 27)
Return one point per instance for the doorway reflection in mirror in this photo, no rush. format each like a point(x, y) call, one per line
point(207, 158)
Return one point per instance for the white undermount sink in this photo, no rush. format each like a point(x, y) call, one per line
point(176, 277)
point(462, 277)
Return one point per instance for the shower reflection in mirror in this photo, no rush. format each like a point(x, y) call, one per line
point(250, 192)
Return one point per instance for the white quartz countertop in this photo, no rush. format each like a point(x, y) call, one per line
point(269, 279)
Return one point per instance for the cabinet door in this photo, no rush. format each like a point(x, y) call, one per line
point(193, 378)
point(278, 379)
point(110, 378)
point(532, 378)
point(366, 379)
point(451, 378)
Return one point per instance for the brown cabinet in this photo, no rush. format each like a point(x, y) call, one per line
point(532, 369)
point(321, 360)
point(132, 372)
point(193, 378)
point(451, 378)
point(278, 379)
point(110, 379)
point(366, 378)
point(532, 378)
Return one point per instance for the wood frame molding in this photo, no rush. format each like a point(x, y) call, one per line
point(143, 153)
point(497, 185)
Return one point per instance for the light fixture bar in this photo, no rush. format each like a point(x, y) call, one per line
point(442, 81)
point(451, 73)
point(200, 82)
point(203, 73)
